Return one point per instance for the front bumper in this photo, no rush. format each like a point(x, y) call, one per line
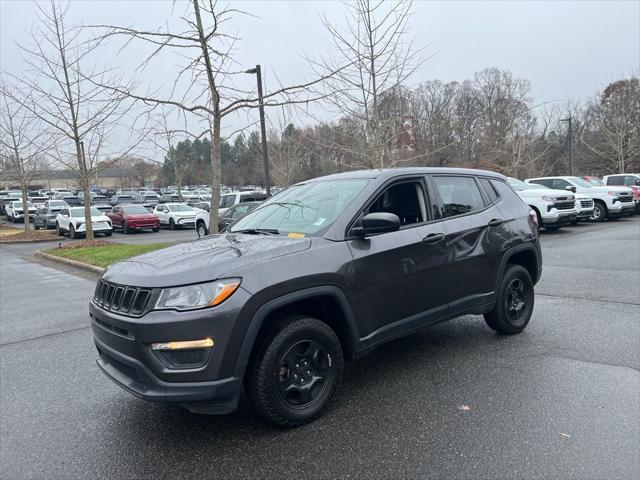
point(97, 227)
point(558, 217)
point(143, 225)
point(126, 357)
point(187, 221)
point(619, 208)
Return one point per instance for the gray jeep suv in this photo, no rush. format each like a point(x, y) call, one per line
point(322, 272)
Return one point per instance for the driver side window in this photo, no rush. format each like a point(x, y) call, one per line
point(406, 200)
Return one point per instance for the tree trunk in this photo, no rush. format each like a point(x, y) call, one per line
point(25, 209)
point(85, 186)
point(216, 171)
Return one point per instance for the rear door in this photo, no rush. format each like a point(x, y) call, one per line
point(477, 234)
point(398, 276)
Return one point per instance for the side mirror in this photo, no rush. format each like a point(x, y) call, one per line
point(570, 188)
point(378, 222)
point(637, 183)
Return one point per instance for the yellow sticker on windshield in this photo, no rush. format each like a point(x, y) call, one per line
point(296, 235)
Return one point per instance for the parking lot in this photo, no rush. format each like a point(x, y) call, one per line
point(559, 400)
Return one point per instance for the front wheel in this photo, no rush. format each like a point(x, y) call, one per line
point(72, 232)
point(514, 302)
point(58, 231)
point(172, 224)
point(599, 212)
point(201, 229)
point(295, 371)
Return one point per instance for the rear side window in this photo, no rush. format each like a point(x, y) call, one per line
point(559, 184)
point(460, 195)
point(489, 190)
point(615, 181)
point(545, 182)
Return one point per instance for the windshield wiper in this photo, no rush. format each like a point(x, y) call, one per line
point(257, 231)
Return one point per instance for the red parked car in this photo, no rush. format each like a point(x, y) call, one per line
point(133, 217)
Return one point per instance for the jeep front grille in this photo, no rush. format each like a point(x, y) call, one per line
point(121, 298)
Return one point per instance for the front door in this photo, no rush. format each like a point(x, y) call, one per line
point(397, 276)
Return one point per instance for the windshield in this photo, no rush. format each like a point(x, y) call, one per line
point(135, 209)
point(595, 181)
point(517, 185)
point(79, 212)
point(580, 182)
point(20, 205)
point(180, 208)
point(303, 209)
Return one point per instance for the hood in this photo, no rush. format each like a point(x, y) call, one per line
point(605, 189)
point(202, 260)
point(582, 196)
point(537, 192)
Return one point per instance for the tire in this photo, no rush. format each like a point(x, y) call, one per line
point(125, 228)
point(514, 302)
point(155, 229)
point(109, 233)
point(283, 362)
point(72, 232)
point(201, 228)
point(172, 224)
point(599, 212)
point(36, 226)
point(58, 231)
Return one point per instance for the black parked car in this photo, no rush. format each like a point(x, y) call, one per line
point(325, 271)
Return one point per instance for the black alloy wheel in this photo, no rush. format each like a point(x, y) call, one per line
point(305, 370)
point(514, 302)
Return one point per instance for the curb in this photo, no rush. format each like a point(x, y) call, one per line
point(16, 242)
point(67, 261)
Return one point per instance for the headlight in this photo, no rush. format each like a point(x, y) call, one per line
point(547, 198)
point(201, 295)
point(613, 194)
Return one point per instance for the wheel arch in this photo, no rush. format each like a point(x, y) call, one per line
point(327, 303)
point(524, 255)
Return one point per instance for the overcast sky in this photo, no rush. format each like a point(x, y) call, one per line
point(566, 49)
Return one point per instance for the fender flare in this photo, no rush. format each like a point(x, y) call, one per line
point(267, 308)
point(510, 253)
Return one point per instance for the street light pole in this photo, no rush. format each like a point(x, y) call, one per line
point(263, 128)
point(569, 122)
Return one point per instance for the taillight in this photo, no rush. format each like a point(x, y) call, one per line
point(534, 217)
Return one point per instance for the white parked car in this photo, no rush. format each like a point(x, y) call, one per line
point(230, 199)
point(609, 202)
point(554, 208)
point(176, 215)
point(71, 220)
point(15, 211)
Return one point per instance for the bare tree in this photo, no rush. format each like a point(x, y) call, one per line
point(210, 92)
point(613, 132)
point(378, 56)
point(69, 95)
point(20, 143)
point(288, 155)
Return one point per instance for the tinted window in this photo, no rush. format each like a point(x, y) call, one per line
point(615, 181)
point(488, 189)
point(459, 195)
point(406, 200)
point(559, 184)
point(240, 211)
point(227, 201)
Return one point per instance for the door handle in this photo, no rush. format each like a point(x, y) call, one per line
point(496, 222)
point(433, 238)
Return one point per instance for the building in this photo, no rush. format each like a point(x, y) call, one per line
point(107, 178)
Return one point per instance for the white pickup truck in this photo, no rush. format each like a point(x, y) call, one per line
point(554, 209)
point(609, 202)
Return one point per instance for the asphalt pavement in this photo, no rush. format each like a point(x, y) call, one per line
point(561, 400)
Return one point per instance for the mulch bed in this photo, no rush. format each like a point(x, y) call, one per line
point(86, 243)
point(7, 235)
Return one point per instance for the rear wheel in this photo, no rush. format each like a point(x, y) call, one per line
point(35, 225)
point(599, 211)
point(514, 303)
point(295, 371)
